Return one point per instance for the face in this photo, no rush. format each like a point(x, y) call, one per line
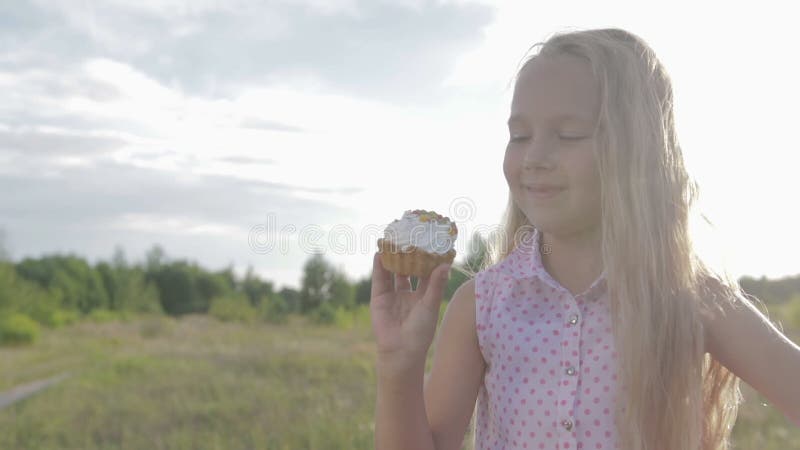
point(549, 163)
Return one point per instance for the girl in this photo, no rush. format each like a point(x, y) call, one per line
point(595, 325)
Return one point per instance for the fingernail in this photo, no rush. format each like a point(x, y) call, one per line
point(446, 275)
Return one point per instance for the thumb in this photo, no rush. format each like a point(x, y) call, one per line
point(435, 290)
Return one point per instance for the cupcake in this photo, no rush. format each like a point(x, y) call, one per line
point(418, 242)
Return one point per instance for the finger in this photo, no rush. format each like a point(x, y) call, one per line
point(402, 282)
point(422, 282)
point(434, 290)
point(381, 278)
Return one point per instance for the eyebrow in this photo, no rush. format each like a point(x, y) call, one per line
point(557, 118)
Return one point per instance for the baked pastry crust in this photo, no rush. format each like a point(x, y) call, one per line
point(413, 261)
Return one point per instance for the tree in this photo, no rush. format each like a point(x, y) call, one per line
point(127, 287)
point(118, 260)
point(274, 308)
point(771, 291)
point(210, 285)
point(254, 288)
point(186, 288)
point(292, 298)
point(134, 293)
point(322, 283)
point(176, 288)
point(314, 286)
point(154, 258)
point(20, 295)
point(342, 293)
point(5, 255)
point(79, 286)
point(363, 290)
point(109, 278)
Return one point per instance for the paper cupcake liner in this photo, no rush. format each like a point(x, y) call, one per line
point(415, 261)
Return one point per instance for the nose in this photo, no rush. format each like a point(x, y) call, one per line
point(539, 154)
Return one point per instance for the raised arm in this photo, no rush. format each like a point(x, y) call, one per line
point(413, 412)
point(748, 344)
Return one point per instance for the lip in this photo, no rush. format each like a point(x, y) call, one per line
point(539, 190)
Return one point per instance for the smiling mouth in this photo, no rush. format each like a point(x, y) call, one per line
point(539, 192)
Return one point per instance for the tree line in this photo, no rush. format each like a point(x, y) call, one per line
point(54, 290)
point(58, 289)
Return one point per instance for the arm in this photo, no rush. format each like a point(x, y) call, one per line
point(433, 413)
point(748, 344)
point(456, 373)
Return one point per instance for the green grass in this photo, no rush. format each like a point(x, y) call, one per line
point(197, 383)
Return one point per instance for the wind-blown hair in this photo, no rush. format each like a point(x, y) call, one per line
point(674, 395)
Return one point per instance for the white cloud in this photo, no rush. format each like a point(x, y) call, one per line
point(162, 224)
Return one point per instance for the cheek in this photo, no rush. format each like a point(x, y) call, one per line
point(590, 180)
point(509, 166)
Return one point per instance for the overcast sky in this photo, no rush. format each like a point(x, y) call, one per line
point(252, 132)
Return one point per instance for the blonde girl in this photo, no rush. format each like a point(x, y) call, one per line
point(595, 325)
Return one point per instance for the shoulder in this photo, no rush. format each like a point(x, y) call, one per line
point(503, 268)
point(720, 307)
point(464, 297)
point(459, 322)
point(484, 284)
point(459, 325)
point(467, 288)
point(460, 315)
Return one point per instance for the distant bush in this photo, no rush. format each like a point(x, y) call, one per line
point(342, 317)
point(55, 318)
point(274, 309)
point(352, 318)
point(234, 308)
point(103, 315)
point(792, 311)
point(18, 328)
point(26, 297)
point(324, 314)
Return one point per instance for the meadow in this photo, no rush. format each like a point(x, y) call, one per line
point(154, 382)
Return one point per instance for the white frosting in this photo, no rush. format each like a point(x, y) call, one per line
point(431, 236)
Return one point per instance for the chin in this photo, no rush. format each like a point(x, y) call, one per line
point(548, 223)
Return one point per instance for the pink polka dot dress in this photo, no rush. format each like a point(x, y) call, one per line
point(550, 380)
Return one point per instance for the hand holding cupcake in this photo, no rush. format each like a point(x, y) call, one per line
point(404, 318)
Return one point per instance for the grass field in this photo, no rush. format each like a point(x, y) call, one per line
point(196, 383)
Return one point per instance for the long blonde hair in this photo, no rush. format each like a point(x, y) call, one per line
point(676, 396)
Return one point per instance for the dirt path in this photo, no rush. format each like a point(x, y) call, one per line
point(25, 390)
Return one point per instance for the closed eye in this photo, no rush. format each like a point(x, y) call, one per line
point(572, 138)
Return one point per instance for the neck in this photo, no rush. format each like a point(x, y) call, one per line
point(574, 260)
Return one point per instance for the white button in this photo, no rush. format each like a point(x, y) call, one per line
point(573, 319)
point(571, 371)
point(567, 424)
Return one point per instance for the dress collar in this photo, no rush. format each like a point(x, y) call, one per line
point(525, 261)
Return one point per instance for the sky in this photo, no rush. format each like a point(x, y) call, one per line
point(252, 133)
